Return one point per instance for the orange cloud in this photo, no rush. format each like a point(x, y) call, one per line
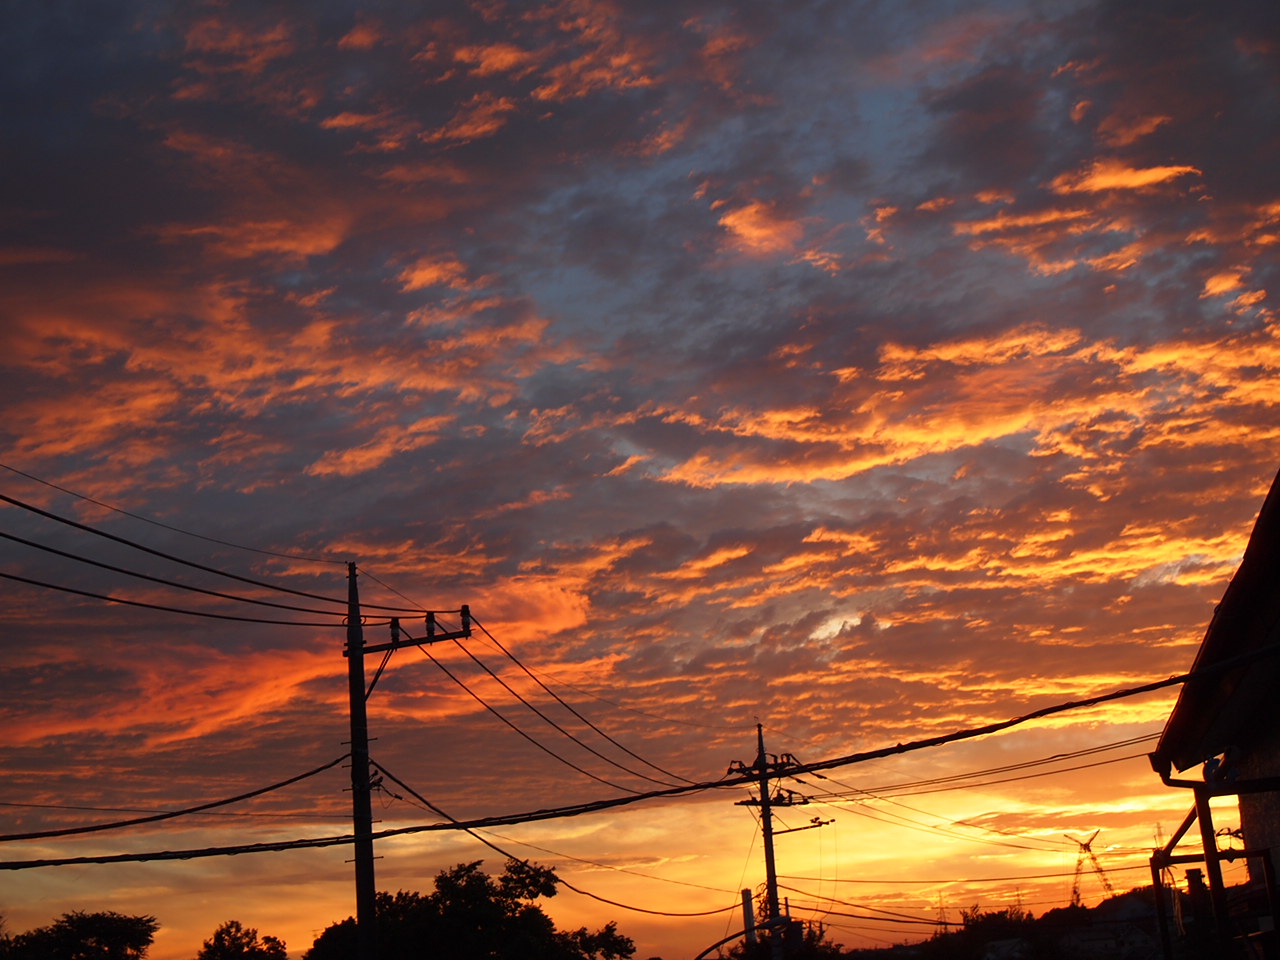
point(495, 58)
point(937, 203)
point(757, 229)
point(1222, 282)
point(900, 362)
point(79, 332)
point(700, 566)
point(429, 271)
point(1122, 131)
point(627, 465)
point(438, 170)
point(315, 234)
point(721, 54)
point(1103, 175)
point(1130, 255)
point(962, 393)
point(1129, 555)
point(611, 59)
point(385, 444)
point(667, 138)
point(1038, 238)
point(365, 35)
point(227, 46)
point(1002, 221)
point(276, 208)
point(481, 116)
point(1248, 300)
point(172, 703)
point(994, 196)
point(347, 120)
point(69, 424)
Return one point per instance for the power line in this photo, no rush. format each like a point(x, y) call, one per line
point(416, 606)
point(426, 804)
point(189, 563)
point(925, 882)
point(541, 746)
point(989, 783)
point(859, 916)
point(493, 846)
point(166, 526)
point(585, 746)
point(991, 728)
point(643, 713)
point(75, 806)
point(97, 827)
point(907, 787)
point(845, 903)
point(961, 823)
point(162, 580)
point(609, 866)
point(157, 606)
point(656, 913)
point(512, 657)
point(910, 824)
point(926, 813)
point(551, 813)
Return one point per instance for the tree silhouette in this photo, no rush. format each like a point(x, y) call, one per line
point(234, 941)
point(472, 916)
point(84, 936)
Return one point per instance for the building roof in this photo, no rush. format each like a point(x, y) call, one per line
point(1222, 710)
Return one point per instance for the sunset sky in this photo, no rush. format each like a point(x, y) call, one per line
point(868, 370)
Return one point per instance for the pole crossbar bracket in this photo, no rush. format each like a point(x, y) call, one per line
point(434, 635)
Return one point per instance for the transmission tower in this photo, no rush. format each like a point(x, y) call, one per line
point(1086, 853)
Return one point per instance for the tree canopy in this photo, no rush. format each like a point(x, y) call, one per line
point(234, 941)
point(84, 936)
point(473, 916)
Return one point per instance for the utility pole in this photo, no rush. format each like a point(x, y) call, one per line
point(765, 768)
point(361, 801)
point(361, 781)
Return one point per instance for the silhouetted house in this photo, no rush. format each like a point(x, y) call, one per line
point(1226, 723)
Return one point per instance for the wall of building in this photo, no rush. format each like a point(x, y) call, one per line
point(1260, 812)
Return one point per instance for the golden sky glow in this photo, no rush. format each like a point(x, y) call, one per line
point(869, 373)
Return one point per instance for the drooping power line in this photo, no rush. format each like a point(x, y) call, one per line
point(512, 657)
point(169, 815)
point(552, 723)
point(158, 606)
point(189, 563)
point(507, 721)
point(510, 856)
point(166, 526)
point(161, 580)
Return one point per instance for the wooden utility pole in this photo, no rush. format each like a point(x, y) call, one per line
point(361, 801)
point(764, 769)
point(361, 781)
